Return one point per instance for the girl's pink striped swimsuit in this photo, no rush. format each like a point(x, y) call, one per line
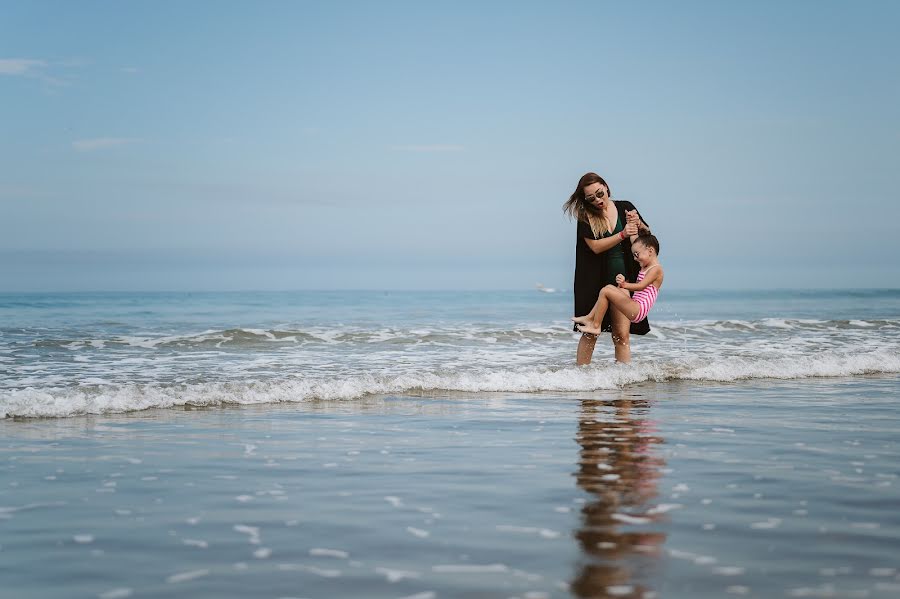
point(645, 298)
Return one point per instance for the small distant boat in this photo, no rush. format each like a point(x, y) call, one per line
point(540, 287)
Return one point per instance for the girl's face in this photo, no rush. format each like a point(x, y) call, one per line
point(641, 253)
point(596, 194)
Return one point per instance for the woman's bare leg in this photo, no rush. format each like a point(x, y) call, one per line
point(585, 349)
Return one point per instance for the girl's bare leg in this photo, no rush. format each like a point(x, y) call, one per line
point(621, 331)
point(621, 302)
point(600, 309)
point(587, 318)
point(585, 349)
point(590, 319)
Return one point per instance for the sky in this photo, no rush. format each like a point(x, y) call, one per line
point(430, 145)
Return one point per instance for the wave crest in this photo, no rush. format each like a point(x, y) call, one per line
point(111, 398)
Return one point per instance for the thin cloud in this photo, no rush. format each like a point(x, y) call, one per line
point(101, 143)
point(429, 148)
point(130, 70)
point(51, 73)
point(20, 66)
point(72, 63)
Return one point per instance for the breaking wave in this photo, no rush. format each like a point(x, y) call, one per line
point(115, 398)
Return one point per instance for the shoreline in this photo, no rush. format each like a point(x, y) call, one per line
point(219, 392)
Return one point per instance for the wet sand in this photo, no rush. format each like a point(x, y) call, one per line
point(677, 489)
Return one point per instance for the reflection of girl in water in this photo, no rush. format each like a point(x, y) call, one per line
point(619, 468)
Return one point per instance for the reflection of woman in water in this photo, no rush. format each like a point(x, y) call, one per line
point(619, 468)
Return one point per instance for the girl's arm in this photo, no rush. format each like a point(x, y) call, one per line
point(653, 277)
point(642, 226)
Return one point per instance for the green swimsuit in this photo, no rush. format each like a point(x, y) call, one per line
point(615, 257)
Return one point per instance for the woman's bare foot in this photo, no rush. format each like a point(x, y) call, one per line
point(586, 319)
point(592, 330)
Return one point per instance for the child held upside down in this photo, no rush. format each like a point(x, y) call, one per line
point(645, 250)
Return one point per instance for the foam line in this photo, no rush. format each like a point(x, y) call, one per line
point(113, 398)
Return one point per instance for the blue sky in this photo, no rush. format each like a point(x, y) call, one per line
point(415, 145)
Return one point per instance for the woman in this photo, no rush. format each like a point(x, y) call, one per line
point(602, 251)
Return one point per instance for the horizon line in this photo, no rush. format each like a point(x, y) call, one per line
point(442, 290)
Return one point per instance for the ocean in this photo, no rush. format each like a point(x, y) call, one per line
point(443, 444)
point(70, 354)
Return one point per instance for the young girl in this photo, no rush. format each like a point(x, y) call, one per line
point(645, 250)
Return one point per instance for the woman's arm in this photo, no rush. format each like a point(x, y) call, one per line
point(598, 246)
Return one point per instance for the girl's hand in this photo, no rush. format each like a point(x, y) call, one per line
point(631, 217)
point(620, 279)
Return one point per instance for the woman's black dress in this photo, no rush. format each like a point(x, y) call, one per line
point(592, 271)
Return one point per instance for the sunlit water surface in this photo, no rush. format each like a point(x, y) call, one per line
point(673, 489)
point(426, 445)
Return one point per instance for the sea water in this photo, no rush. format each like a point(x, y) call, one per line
point(67, 354)
point(427, 445)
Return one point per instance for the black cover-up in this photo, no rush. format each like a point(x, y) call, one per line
point(591, 272)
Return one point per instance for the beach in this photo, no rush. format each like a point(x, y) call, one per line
point(664, 489)
point(287, 294)
point(185, 450)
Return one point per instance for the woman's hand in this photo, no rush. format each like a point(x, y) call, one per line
point(631, 217)
point(620, 280)
point(631, 229)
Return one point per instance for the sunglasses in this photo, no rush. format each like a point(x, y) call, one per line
point(597, 195)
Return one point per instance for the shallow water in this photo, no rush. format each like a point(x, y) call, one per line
point(69, 354)
point(765, 488)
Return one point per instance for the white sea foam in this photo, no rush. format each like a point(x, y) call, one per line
point(543, 532)
point(628, 519)
point(338, 334)
point(664, 507)
point(418, 532)
point(185, 576)
point(111, 398)
point(394, 575)
point(470, 568)
point(323, 552)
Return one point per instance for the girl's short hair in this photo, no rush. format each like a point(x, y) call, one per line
point(649, 240)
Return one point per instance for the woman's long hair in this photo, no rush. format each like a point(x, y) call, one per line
point(578, 209)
